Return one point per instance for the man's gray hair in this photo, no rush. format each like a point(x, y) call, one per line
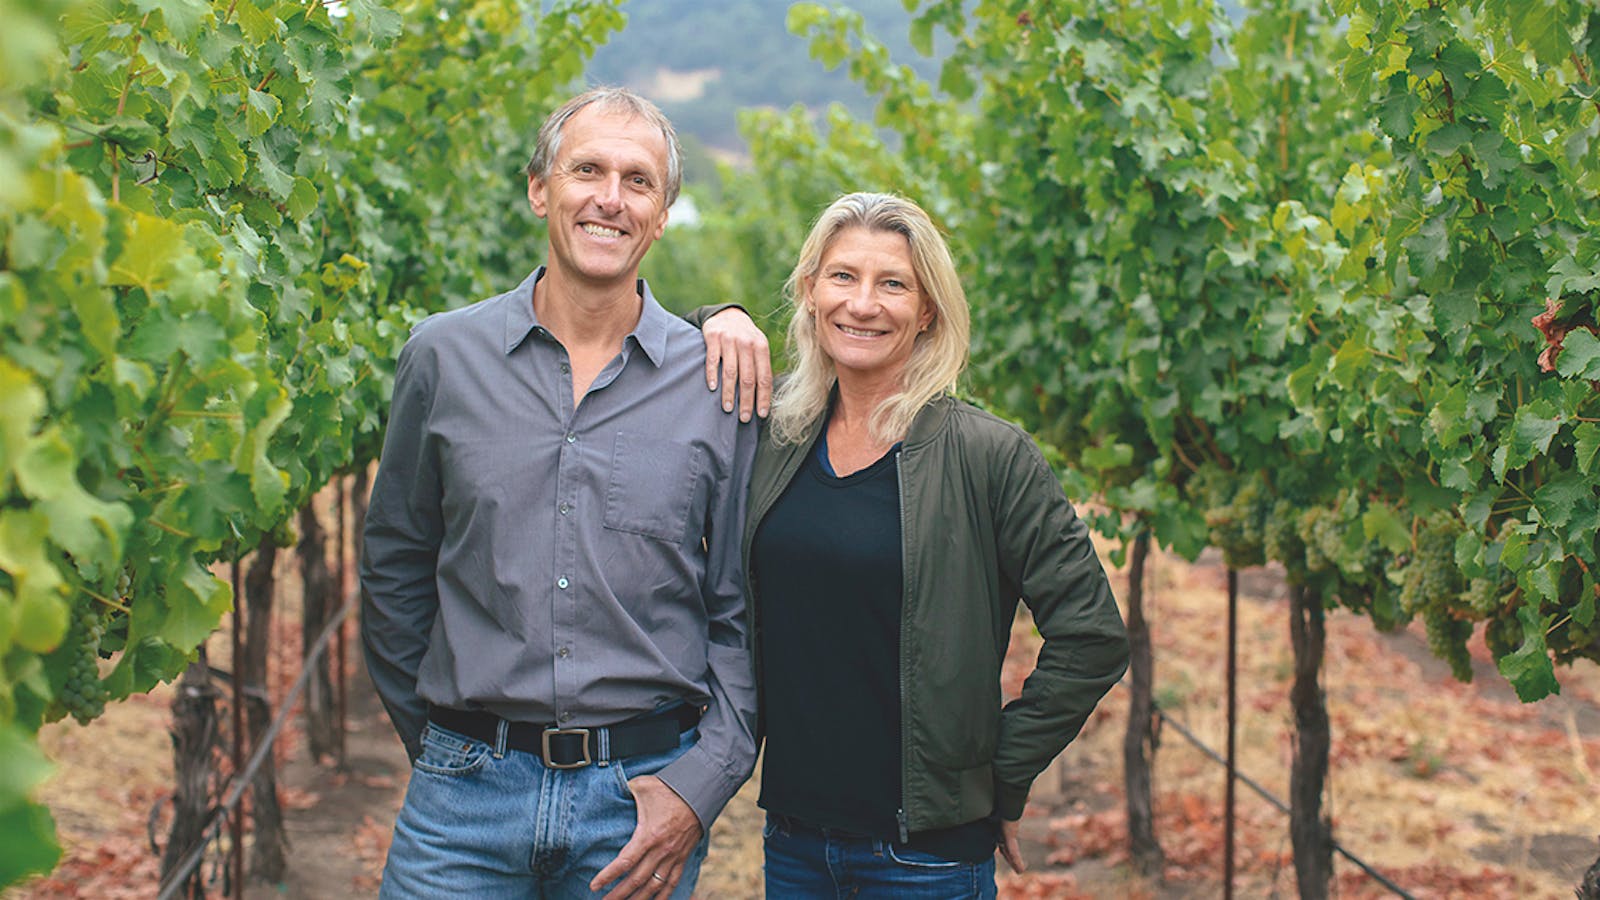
point(610, 99)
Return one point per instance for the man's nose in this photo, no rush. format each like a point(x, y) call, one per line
point(608, 194)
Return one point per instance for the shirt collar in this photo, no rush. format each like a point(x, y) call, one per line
point(650, 333)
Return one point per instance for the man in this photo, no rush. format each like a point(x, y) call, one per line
point(554, 610)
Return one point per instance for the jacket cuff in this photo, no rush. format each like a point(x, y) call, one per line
point(698, 316)
point(1009, 801)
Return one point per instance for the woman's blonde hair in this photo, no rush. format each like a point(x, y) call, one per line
point(939, 354)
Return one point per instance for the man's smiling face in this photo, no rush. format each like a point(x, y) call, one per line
point(604, 197)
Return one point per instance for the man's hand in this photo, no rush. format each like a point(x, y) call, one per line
point(737, 350)
point(1009, 847)
point(651, 863)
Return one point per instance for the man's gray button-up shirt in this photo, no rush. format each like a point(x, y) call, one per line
point(551, 563)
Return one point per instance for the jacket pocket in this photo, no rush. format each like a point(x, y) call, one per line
point(651, 487)
point(961, 747)
point(958, 722)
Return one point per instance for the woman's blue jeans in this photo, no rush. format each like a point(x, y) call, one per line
point(805, 862)
point(485, 824)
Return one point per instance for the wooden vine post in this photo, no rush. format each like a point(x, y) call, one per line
point(1139, 740)
point(318, 604)
point(267, 851)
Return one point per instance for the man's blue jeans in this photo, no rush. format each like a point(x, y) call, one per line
point(483, 821)
point(805, 863)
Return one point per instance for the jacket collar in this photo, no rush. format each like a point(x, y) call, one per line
point(929, 420)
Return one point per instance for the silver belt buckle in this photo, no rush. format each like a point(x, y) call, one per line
point(544, 747)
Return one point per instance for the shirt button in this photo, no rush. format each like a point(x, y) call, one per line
point(566, 717)
point(563, 653)
point(566, 508)
point(572, 437)
point(566, 369)
point(561, 582)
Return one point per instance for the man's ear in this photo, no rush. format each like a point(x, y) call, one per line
point(536, 199)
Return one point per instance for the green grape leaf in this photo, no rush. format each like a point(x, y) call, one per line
point(1586, 446)
point(84, 525)
point(382, 23)
point(26, 767)
point(1515, 548)
point(1529, 668)
point(183, 17)
point(21, 404)
point(1583, 613)
point(1567, 275)
point(1350, 363)
point(30, 845)
point(97, 319)
point(1455, 311)
point(267, 408)
point(1533, 427)
point(1108, 456)
point(1540, 24)
point(278, 182)
point(40, 615)
point(149, 252)
point(302, 198)
point(259, 26)
point(1580, 355)
point(261, 110)
point(1559, 496)
point(1379, 523)
point(195, 604)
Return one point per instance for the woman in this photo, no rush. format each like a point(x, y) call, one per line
point(891, 530)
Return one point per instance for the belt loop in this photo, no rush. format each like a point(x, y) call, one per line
point(500, 729)
point(605, 746)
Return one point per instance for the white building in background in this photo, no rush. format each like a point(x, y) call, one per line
point(684, 212)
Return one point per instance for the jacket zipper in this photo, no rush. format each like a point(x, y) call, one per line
point(905, 608)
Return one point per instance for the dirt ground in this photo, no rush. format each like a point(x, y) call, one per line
point(1449, 790)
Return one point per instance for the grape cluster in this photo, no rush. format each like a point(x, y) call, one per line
point(1280, 536)
point(82, 695)
point(1321, 531)
point(1503, 635)
point(1236, 512)
point(1482, 596)
point(1447, 638)
point(1430, 579)
point(1431, 586)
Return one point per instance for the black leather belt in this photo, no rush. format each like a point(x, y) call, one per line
point(574, 748)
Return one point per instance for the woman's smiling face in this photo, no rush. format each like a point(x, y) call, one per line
point(868, 304)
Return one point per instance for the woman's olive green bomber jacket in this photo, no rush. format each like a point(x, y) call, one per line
point(984, 522)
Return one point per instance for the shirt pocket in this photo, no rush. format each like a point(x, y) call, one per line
point(651, 486)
